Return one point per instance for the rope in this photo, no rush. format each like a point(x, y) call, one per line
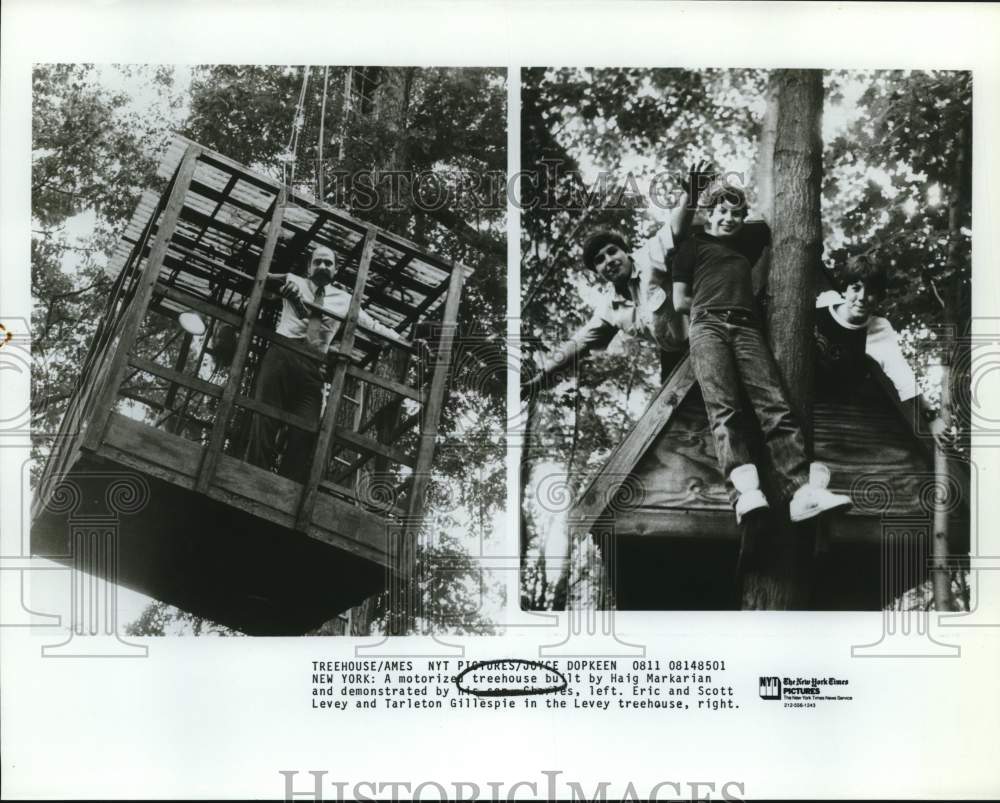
point(298, 122)
point(319, 155)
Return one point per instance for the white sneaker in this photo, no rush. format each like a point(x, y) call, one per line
point(749, 501)
point(810, 501)
point(745, 480)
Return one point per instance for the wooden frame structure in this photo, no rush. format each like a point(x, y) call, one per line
point(661, 505)
point(154, 400)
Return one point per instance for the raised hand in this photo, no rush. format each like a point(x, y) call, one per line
point(700, 176)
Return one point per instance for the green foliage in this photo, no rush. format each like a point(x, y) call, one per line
point(91, 159)
point(97, 135)
point(636, 126)
point(160, 619)
point(896, 179)
point(916, 137)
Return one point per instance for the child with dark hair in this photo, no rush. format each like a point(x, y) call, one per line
point(711, 279)
point(637, 297)
point(848, 332)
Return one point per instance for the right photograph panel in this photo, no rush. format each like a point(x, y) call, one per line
point(745, 304)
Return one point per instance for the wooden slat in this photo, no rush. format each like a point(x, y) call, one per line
point(431, 418)
point(143, 294)
point(337, 386)
point(351, 527)
point(306, 424)
point(351, 438)
point(242, 349)
point(716, 525)
point(388, 384)
point(905, 410)
point(602, 488)
point(185, 380)
point(199, 304)
point(153, 446)
point(430, 298)
point(215, 264)
point(200, 188)
point(388, 409)
point(230, 317)
point(204, 221)
point(343, 490)
point(225, 196)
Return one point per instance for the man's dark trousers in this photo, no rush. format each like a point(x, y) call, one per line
point(294, 383)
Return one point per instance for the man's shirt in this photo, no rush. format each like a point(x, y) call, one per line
point(718, 270)
point(647, 311)
point(296, 326)
point(881, 343)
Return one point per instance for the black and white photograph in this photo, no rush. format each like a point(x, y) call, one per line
point(744, 293)
point(477, 400)
point(268, 337)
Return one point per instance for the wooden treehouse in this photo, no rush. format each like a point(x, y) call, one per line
point(215, 535)
point(660, 513)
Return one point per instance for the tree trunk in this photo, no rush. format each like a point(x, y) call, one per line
point(778, 578)
point(954, 307)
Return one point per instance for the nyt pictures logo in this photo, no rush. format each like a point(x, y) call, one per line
point(770, 688)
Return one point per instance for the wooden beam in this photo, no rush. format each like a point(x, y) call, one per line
point(230, 317)
point(429, 426)
point(224, 196)
point(905, 410)
point(424, 305)
point(387, 384)
point(372, 446)
point(303, 423)
point(202, 189)
point(198, 304)
point(349, 493)
point(143, 294)
point(228, 399)
point(601, 489)
point(176, 377)
point(321, 452)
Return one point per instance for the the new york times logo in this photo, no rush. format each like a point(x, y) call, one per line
point(770, 688)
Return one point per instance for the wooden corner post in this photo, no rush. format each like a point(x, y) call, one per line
point(337, 384)
point(406, 552)
point(144, 292)
point(228, 400)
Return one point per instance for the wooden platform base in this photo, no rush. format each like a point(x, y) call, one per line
point(210, 557)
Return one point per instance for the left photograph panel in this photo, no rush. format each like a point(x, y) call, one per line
point(269, 364)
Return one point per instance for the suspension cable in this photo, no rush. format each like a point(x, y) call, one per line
point(319, 154)
point(298, 122)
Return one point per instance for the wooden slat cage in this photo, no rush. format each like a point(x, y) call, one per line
point(220, 537)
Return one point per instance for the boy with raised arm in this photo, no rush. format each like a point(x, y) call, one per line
point(729, 354)
point(637, 301)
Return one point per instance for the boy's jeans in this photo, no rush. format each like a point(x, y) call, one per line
point(728, 352)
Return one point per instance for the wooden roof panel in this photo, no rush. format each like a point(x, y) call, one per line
point(222, 221)
point(669, 456)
